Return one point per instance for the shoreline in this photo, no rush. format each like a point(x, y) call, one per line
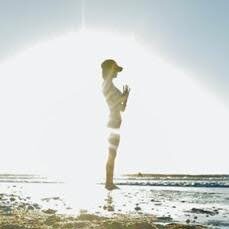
point(20, 213)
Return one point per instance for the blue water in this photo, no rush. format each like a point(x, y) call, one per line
point(208, 181)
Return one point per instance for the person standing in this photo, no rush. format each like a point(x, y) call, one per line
point(116, 101)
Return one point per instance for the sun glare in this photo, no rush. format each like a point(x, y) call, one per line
point(55, 115)
point(58, 113)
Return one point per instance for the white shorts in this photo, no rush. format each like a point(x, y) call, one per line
point(113, 138)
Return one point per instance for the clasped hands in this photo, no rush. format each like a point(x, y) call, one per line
point(125, 93)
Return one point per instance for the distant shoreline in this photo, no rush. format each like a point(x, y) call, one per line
point(172, 175)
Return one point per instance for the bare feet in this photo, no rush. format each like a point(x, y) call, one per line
point(111, 187)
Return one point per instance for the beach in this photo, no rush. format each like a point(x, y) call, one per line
point(28, 201)
point(19, 213)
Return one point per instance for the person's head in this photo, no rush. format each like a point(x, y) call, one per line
point(110, 69)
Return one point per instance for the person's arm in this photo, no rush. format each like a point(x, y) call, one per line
point(123, 106)
point(125, 95)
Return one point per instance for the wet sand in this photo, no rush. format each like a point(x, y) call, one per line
point(37, 202)
point(18, 212)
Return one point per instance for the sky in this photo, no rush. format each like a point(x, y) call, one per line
point(192, 34)
point(175, 55)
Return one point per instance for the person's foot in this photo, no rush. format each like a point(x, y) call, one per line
point(111, 187)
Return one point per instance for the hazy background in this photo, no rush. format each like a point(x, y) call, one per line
point(177, 118)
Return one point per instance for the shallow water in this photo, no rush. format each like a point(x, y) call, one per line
point(171, 203)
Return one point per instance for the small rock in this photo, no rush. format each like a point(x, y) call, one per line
point(21, 206)
point(202, 211)
point(110, 208)
point(216, 211)
point(158, 204)
point(49, 211)
point(164, 218)
point(188, 221)
point(30, 207)
point(12, 199)
point(137, 208)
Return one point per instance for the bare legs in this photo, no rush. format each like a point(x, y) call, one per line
point(113, 140)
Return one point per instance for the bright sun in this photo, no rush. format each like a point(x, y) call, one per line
point(54, 92)
point(54, 113)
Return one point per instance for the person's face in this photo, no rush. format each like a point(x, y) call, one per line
point(114, 72)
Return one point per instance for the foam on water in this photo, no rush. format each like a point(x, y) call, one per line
point(214, 181)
